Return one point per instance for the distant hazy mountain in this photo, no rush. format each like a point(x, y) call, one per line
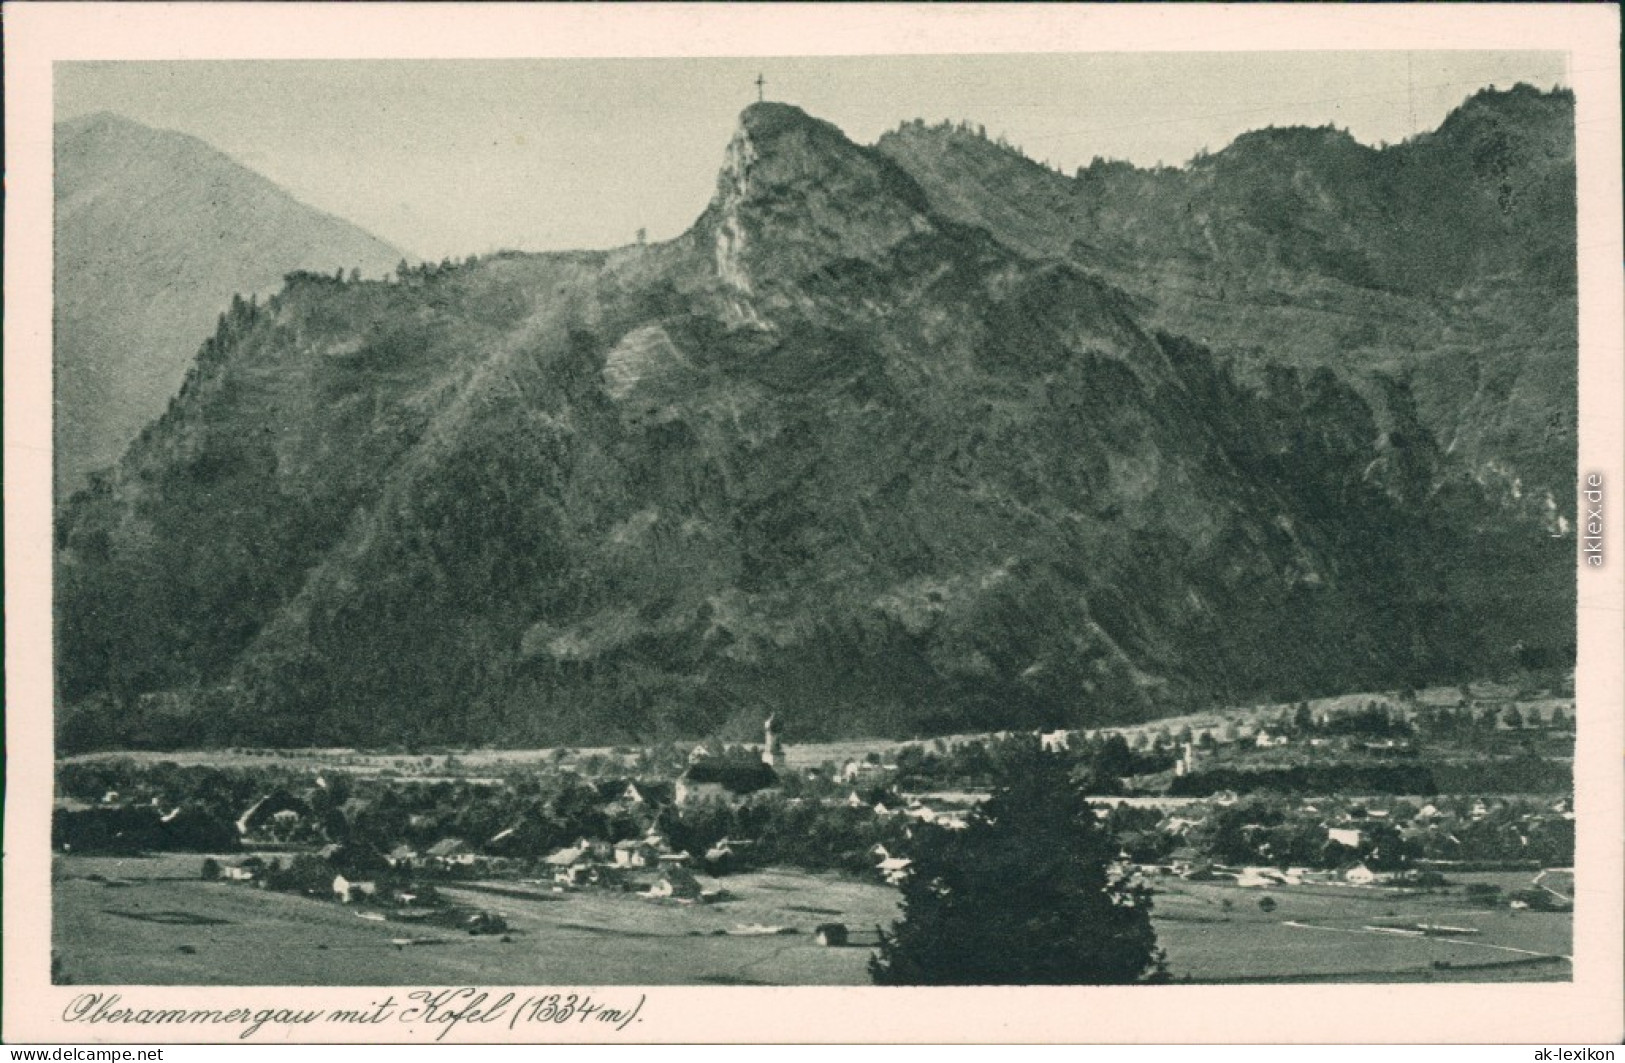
point(903, 439)
point(155, 232)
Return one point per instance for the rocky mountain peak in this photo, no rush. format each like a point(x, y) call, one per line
point(795, 194)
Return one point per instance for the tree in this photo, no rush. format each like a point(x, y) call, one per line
point(1024, 895)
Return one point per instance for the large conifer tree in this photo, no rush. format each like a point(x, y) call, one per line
point(1025, 895)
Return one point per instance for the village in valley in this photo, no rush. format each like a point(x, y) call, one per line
point(1433, 829)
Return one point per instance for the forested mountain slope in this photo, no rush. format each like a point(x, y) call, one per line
point(895, 440)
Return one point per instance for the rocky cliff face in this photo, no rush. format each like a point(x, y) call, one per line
point(870, 446)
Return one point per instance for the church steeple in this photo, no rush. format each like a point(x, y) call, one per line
point(772, 752)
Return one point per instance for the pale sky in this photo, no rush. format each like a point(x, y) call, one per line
point(451, 157)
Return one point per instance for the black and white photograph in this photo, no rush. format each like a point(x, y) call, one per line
point(1076, 518)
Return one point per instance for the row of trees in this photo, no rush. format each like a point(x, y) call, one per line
point(1097, 763)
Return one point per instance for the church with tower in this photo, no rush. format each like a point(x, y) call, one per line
point(728, 773)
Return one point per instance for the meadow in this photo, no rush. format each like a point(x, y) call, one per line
point(151, 920)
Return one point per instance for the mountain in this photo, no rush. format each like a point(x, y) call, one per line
point(1447, 260)
point(895, 440)
point(155, 232)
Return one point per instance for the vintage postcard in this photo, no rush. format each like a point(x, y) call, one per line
point(988, 523)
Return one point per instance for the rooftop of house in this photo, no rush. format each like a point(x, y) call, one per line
point(449, 847)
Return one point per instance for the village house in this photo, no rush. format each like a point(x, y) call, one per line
point(1540, 898)
point(245, 870)
point(596, 848)
point(1414, 833)
point(858, 770)
point(1187, 863)
point(452, 852)
point(894, 869)
point(566, 862)
point(1179, 826)
point(1347, 836)
point(676, 883)
point(635, 853)
point(646, 795)
point(573, 875)
point(1361, 875)
point(348, 891)
point(919, 811)
point(1261, 877)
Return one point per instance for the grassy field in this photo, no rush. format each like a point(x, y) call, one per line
point(152, 921)
point(1320, 933)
